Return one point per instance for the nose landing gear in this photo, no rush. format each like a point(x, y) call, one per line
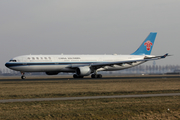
point(23, 77)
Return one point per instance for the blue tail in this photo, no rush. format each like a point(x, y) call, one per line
point(146, 46)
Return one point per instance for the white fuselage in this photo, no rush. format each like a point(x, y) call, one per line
point(67, 63)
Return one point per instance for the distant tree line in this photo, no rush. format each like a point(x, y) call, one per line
point(154, 68)
point(149, 69)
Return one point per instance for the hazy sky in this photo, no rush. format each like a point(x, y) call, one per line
point(88, 27)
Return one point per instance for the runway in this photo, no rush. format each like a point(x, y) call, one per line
point(69, 77)
point(89, 97)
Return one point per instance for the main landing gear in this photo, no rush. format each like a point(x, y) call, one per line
point(23, 77)
point(76, 76)
point(92, 76)
point(96, 76)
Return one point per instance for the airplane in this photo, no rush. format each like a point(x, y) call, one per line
point(84, 65)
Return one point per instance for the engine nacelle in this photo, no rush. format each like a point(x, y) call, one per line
point(83, 71)
point(52, 73)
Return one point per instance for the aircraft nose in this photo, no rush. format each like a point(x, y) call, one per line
point(7, 65)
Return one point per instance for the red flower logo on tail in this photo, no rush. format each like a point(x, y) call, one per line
point(148, 45)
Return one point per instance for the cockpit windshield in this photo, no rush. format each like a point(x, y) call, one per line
point(12, 61)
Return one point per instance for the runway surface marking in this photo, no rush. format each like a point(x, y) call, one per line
point(89, 97)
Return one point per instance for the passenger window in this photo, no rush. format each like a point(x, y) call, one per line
point(33, 58)
point(37, 58)
point(45, 57)
point(49, 57)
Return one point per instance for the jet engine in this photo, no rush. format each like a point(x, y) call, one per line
point(83, 71)
point(52, 73)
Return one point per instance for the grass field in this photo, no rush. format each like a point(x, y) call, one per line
point(124, 108)
point(100, 109)
point(87, 87)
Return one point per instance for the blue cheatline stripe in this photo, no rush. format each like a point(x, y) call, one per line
point(42, 63)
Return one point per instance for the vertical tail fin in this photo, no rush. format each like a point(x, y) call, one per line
point(146, 46)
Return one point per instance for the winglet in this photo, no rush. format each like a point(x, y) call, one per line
point(157, 57)
point(147, 45)
point(164, 55)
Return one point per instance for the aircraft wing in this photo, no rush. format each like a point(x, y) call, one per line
point(130, 62)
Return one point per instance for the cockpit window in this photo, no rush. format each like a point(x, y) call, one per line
point(12, 61)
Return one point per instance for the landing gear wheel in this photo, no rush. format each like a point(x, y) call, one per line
point(99, 76)
point(23, 77)
point(96, 76)
point(76, 76)
point(92, 76)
